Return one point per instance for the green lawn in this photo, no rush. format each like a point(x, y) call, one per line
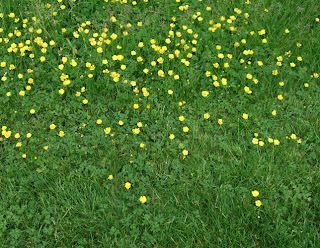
point(165, 123)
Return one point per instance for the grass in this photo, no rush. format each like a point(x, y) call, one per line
point(66, 185)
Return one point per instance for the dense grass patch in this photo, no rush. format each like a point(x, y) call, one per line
point(159, 123)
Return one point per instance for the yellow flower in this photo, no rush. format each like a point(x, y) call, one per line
point(113, 19)
point(46, 147)
point(61, 134)
point(136, 130)
point(185, 152)
point(255, 141)
point(276, 142)
point(274, 112)
point(255, 193)
point(32, 111)
point(67, 82)
point(64, 60)
point(220, 121)
point(52, 126)
point(172, 136)
point(280, 97)
point(205, 93)
point(170, 92)
point(61, 91)
point(206, 115)
point(24, 155)
point(110, 177)
point(73, 63)
point(6, 134)
point(249, 76)
point(29, 135)
point(221, 56)
point(293, 136)
point(224, 81)
point(120, 123)
point(161, 73)
point(127, 185)
point(185, 129)
point(135, 106)
point(245, 116)
point(17, 135)
point(85, 101)
point(107, 130)
point(181, 118)
point(143, 199)
point(99, 121)
point(258, 203)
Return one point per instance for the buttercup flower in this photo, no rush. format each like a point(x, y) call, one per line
point(127, 185)
point(143, 199)
point(255, 193)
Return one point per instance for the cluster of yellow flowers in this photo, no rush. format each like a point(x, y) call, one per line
point(255, 193)
point(159, 60)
